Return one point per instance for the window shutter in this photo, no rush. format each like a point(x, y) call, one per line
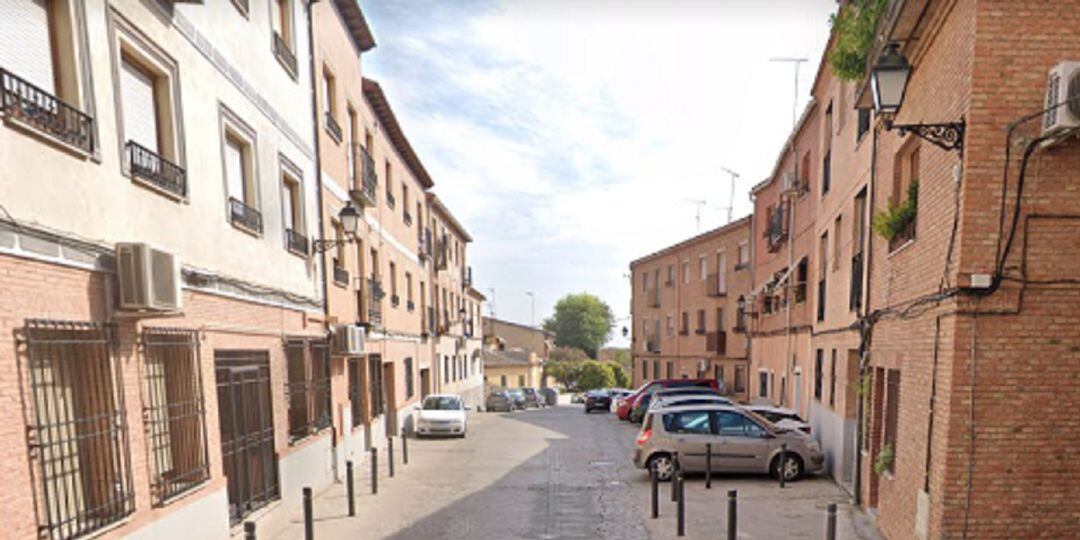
point(25, 45)
point(137, 100)
point(234, 169)
point(290, 221)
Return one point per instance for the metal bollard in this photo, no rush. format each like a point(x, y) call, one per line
point(783, 463)
point(350, 488)
point(249, 530)
point(404, 446)
point(708, 465)
point(390, 455)
point(732, 509)
point(674, 474)
point(309, 521)
point(680, 508)
point(654, 480)
point(830, 522)
point(374, 470)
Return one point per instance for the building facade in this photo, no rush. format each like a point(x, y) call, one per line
point(514, 354)
point(685, 309)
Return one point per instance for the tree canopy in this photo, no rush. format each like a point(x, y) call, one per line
point(582, 321)
point(593, 375)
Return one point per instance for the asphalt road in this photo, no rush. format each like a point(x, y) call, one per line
point(557, 473)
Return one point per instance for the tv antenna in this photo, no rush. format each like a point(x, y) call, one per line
point(795, 105)
point(699, 203)
point(731, 200)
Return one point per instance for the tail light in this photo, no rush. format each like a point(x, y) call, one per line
point(644, 437)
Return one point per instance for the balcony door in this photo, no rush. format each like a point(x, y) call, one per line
point(26, 42)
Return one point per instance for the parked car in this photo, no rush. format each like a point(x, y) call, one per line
point(637, 413)
point(519, 398)
point(619, 393)
point(781, 417)
point(442, 414)
point(659, 401)
point(551, 396)
point(597, 400)
point(532, 397)
point(740, 440)
point(499, 400)
point(659, 384)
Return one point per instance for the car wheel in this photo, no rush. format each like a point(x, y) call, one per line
point(792, 468)
point(663, 465)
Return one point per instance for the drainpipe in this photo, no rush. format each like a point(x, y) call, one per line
point(864, 353)
point(788, 367)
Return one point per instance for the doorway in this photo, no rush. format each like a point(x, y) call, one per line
point(425, 383)
point(389, 393)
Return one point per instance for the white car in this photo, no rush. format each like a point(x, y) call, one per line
point(688, 399)
point(781, 417)
point(441, 414)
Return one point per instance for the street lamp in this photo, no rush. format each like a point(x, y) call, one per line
point(888, 83)
point(350, 221)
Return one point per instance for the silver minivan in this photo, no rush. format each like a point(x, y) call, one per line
point(741, 442)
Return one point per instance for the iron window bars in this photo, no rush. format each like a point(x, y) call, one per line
point(247, 430)
point(369, 181)
point(174, 412)
point(40, 110)
point(307, 391)
point(156, 170)
point(296, 242)
point(377, 399)
point(79, 431)
point(356, 391)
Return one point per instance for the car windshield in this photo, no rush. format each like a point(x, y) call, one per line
point(760, 419)
point(442, 403)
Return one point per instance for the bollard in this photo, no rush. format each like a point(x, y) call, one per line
point(350, 488)
point(374, 470)
point(830, 523)
point(390, 455)
point(654, 479)
point(309, 523)
point(681, 506)
point(783, 463)
point(249, 530)
point(674, 474)
point(708, 465)
point(732, 527)
point(404, 447)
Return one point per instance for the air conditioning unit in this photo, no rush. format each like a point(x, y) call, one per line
point(349, 339)
point(149, 278)
point(791, 182)
point(1064, 84)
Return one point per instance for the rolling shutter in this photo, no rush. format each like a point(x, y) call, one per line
point(140, 113)
point(25, 45)
point(234, 169)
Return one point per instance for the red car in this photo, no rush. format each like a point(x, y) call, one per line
point(627, 405)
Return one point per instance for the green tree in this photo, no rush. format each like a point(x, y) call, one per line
point(594, 374)
point(618, 374)
point(567, 354)
point(581, 320)
point(564, 364)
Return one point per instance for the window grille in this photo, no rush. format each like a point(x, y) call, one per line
point(308, 388)
point(79, 432)
point(174, 412)
point(356, 391)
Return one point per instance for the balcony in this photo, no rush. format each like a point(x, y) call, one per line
point(410, 306)
point(391, 201)
point(374, 295)
point(423, 242)
point(332, 126)
point(442, 254)
point(157, 171)
point(776, 228)
point(855, 295)
point(907, 234)
point(369, 181)
point(35, 108)
point(244, 216)
point(652, 345)
point(714, 288)
point(341, 275)
point(395, 300)
point(297, 243)
point(716, 342)
point(284, 54)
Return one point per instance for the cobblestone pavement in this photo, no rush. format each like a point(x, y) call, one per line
point(557, 473)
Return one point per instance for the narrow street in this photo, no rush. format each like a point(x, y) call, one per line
point(557, 473)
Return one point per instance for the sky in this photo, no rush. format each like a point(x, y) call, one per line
point(570, 137)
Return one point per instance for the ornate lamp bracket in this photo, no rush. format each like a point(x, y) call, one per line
point(948, 136)
point(325, 245)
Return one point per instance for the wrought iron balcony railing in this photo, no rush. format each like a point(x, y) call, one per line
point(332, 126)
point(284, 53)
point(244, 216)
point(855, 300)
point(156, 170)
point(374, 294)
point(776, 229)
point(296, 242)
point(395, 300)
point(341, 275)
point(33, 107)
point(364, 194)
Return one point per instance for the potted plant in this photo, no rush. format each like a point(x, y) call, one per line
point(896, 220)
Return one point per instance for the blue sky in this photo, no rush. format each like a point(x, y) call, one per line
point(570, 137)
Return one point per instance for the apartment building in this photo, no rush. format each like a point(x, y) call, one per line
point(514, 354)
point(685, 309)
point(780, 309)
point(455, 307)
point(158, 194)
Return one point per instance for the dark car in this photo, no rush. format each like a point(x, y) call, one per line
point(551, 396)
point(518, 398)
point(499, 400)
point(597, 400)
point(532, 397)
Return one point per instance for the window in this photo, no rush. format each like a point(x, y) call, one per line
point(819, 368)
point(721, 272)
point(718, 374)
point(763, 384)
point(744, 256)
point(394, 298)
point(740, 379)
point(408, 292)
point(350, 144)
point(670, 326)
point(292, 209)
point(701, 321)
point(690, 422)
point(283, 40)
point(405, 216)
point(837, 227)
point(76, 392)
point(376, 394)
point(686, 272)
point(356, 392)
point(671, 274)
point(823, 265)
point(733, 424)
point(801, 271)
point(905, 184)
point(684, 328)
point(832, 379)
point(521, 381)
point(308, 387)
point(390, 201)
point(239, 162)
point(703, 267)
point(670, 370)
point(409, 386)
point(892, 413)
point(175, 415)
point(502, 381)
point(656, 369)
point(803, 174)
point(826, 172)
point(864, 124)
point(330, 106)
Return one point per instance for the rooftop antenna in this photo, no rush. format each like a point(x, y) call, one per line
point(795, 105)
point(700, 203)
point(491, 304)
point(731, 201)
